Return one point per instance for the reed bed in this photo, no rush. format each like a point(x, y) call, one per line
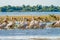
point(46, 17)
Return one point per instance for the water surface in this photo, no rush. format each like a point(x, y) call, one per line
point(31, 32)
point(27, 13)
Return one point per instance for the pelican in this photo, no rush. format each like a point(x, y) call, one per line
point(56, 24)
point(23, 23)
point(33, 23)
point(3, 25)
point(42, 24)
point(10, 24)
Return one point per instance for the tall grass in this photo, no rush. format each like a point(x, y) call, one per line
point(46, 17)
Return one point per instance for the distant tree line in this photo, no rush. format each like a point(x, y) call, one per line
point(28, 8)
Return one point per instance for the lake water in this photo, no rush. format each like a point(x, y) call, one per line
point(26, 34)
point(27, 13)
point(30, 32)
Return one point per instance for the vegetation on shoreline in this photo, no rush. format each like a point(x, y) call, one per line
point(48, 18)
point(28, 8)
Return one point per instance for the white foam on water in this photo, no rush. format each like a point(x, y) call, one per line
point(28, 37)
